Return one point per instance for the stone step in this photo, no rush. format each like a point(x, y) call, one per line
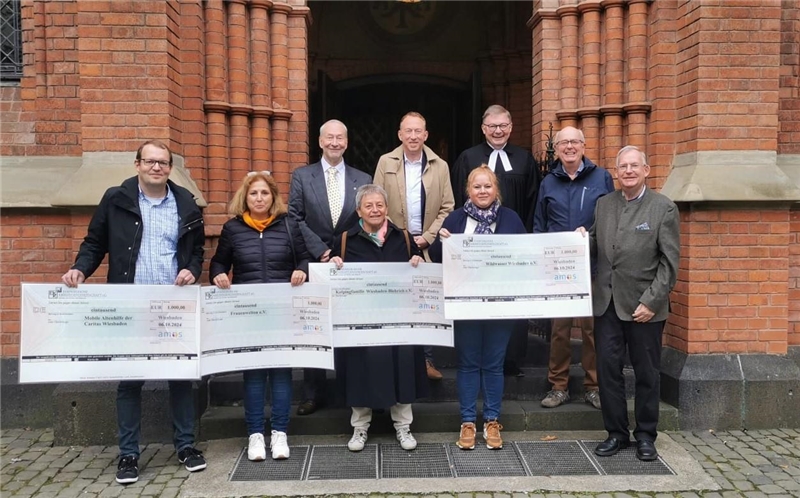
point(220, 422)
point(227, 389)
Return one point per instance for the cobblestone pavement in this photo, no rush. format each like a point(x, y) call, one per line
point(750, 464)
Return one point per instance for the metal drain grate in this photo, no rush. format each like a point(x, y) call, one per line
point(337, 462)
point(556, 458)
point(625, 463)
point(428, 460)
point(483, 462)
point(290, 469)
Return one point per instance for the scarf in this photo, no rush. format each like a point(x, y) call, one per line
point(484, 217)
point(259, 225)
point(378, 237)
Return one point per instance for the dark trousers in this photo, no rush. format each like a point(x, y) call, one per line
point(518, 344)
point(314, 384)
point(643, 341)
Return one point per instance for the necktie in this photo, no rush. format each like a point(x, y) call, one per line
point(334, 195)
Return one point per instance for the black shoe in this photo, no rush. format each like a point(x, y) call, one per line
point(307, 407)
point(192, 459)
point(610, 447)
point(128, 470)
point(646, 451)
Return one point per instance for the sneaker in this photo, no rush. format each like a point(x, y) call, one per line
point(555, 398)
point(279, 445)
point(466, 439)
point(433, 373)
point(593, 398)
point(192, 459)
point(407, 441)
point(256, 448)
point(491, 433)
point(128, 470)
point(358, 440)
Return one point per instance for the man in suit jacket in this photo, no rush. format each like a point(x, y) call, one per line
point(322, 200)
point(636, 237)
point(420, 197)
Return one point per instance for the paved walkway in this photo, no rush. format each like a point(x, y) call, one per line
point(750, 464)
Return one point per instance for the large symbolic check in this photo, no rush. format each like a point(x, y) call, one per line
point(266, 326)
point(385, 304)
point(516, 276)
point(108, 332)
point(142, 332)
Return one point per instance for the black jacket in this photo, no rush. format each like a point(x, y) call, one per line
point(116, 230)
point(260, 257)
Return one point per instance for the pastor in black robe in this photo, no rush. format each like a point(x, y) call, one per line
point(518, 187)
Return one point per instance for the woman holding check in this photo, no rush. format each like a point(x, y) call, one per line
point(379, 376)
point(263, 245)
point(480, 344)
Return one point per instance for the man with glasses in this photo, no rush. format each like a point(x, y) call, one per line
point(519, 181)
point(417, 183)
point(567, 198)
point(322, 200)
point(636, 240)
point(152, 231)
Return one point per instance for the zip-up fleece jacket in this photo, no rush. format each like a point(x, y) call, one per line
point(116, 229)
point(564, 204)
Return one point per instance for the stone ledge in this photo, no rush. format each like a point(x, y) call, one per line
point(753, 391)
point(47, 181)
point(734, 176)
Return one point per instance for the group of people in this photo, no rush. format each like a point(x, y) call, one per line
point(152, 231)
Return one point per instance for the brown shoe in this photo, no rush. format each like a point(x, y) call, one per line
point(466, 439)
point(433, 374)
point(491, 433)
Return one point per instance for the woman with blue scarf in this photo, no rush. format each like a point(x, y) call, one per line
point(480, 344)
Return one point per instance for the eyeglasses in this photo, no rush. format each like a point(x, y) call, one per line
point(629, 166)
point(564, 143)
point(265, 172)
point(152, 162)
point(501, 126)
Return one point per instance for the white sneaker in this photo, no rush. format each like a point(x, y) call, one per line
point(407, 441)
point(279, 445)
point(356, 442)
point(256, 450)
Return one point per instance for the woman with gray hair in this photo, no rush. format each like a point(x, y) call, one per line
point(380, 376)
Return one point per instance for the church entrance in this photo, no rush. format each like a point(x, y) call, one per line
point(372, 62)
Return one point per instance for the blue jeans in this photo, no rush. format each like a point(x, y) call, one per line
point(255, 385)
point(481, 349)
point(129, 415)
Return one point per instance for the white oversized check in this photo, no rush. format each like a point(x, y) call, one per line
point(265, 326)
point(516, 276)
point(384, 304)
point(108, 332)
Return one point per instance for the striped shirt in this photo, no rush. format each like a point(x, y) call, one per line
point(157, 263)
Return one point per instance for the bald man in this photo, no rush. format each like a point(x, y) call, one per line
point(567, 197)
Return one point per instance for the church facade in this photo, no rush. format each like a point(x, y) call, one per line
point(709, 89)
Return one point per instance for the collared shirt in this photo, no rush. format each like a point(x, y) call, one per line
point(339, 169)
point(641, 194)
point(157, 263)
point(413, 172)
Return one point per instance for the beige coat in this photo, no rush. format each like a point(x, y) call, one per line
point(438, 193)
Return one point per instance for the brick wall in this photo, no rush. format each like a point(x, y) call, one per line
point(731, 295)
point(794, 277)
point(789, 100)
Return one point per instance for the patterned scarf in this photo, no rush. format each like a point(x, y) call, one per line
point(484, 217)
point(378, 237)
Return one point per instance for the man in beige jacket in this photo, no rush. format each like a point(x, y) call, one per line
point(420, 196)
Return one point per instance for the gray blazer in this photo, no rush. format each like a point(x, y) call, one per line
point(637, 245)
point(308, 205)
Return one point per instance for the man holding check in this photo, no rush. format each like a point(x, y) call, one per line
point(152, 231)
